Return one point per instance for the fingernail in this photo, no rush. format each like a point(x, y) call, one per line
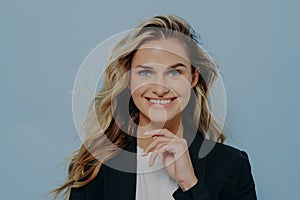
point(146, 133)
point(151, 132)
point(144, 154)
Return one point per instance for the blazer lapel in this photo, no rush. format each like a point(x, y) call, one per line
point(199, 163)
point(121, 176)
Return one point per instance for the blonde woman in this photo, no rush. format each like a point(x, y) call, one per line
point(154, 105)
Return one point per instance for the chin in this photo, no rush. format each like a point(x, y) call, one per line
point(160, 119)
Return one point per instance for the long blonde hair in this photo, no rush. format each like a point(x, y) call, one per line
point(105, 137)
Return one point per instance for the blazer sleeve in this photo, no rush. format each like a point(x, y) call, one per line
point(198, 191)
point(246, 189)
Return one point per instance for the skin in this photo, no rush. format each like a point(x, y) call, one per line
point(160, 70)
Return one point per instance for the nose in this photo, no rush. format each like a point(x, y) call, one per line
point(160, 90)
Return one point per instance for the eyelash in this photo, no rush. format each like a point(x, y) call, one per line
point(144, 71)
point(148, 71)
point(177, 71)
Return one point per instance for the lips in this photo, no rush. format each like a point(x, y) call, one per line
point(164, 101)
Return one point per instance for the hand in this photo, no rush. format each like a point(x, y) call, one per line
point(173, 152)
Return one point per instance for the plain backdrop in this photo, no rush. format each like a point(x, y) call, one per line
point(43, 43)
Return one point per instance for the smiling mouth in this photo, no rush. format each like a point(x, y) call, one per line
point(161, 101)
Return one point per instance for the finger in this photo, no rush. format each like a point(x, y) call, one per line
point(160, 148)
point(152, 132)
point(155, 153)
point(152, 158)
point(169, 162)
point(156, 147)
point(167, 155)
point(160, 132)
point(172, 148)
point(155, 142)
point(160, 156)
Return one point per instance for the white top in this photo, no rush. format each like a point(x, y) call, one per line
point(153, 182)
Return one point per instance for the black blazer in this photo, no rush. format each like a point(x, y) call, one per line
point(224, 173)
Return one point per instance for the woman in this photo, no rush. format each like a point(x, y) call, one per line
point(154, 104)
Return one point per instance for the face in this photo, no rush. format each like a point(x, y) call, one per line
point(161, 81)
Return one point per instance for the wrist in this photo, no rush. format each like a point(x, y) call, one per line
point(186, 185)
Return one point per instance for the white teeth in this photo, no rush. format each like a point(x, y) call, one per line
point(160, 101)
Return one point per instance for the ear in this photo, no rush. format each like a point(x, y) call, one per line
point(195, 77)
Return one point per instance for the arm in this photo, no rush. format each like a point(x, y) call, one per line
point(246, 189)
point(198, 191)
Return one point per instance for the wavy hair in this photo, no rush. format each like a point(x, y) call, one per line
point(104, 126)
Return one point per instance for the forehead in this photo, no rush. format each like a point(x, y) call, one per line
point(163, 52)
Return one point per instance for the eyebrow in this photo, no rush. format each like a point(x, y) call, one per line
point(172, 66)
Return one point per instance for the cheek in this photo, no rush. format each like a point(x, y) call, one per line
point(185, 96)
point(183, 90)
point(137, 93)
point(135, 83)
point(181, 87)
point(136, 88)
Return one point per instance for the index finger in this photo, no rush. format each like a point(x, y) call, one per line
point(160, 132)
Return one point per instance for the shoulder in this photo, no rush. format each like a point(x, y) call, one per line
point(215, 151)
point(227, 152)
point(227, 161)
point(230, 167)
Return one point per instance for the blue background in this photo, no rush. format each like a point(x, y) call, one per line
point(43, 43)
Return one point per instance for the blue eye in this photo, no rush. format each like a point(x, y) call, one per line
point(174, 73)
point(145, 73)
